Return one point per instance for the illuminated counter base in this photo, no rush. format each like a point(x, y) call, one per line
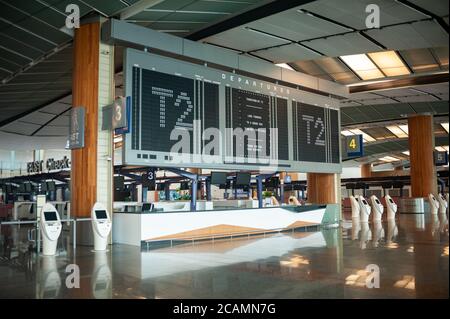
point(134, 229)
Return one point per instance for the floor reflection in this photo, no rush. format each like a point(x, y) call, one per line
point(411, 253)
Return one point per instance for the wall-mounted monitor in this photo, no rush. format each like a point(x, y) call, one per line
point(28, 187)
point(272, 182)
point(184, 186)
point(101, 214)
point(50, 216)
point(218, 178)
point(51, 186)
point(243, 179)
point(440, 158)
point(119, 183)
point(21, 188)
point(208, 118)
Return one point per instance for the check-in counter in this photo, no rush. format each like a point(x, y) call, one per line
point(163, 206)
point(140, 228)
point(24, 210)
point(235, 203)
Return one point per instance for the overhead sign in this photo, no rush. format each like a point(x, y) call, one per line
point(50, 165)
point(76, 127)
point(229, 121)
point(125, 129)
point(440, 158)
point(119, 113)
point(149, 179)
point(354, 145)
point(115, 114)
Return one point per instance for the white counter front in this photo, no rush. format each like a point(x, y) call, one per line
point(133, 229)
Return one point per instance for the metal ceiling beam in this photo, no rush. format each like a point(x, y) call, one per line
point(255, 13)
point(421, 10)
point(138, 7)
point(28, 31)
point(400, 83)
point(51, 120)
point(18, 116)
point(30, 15)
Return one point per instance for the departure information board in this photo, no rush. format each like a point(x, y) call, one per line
point(189, 115)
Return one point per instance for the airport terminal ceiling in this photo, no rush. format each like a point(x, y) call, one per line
point(36, 54)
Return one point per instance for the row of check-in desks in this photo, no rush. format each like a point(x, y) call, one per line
point(182, 206)
point(27, 210)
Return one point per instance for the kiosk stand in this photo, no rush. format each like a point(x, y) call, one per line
point(51, 229)
point(101, 226)
point(391, 207)
point(365, 209)
point(442, 204)
point(434, 204)
point(377, 208)
point(356, 210)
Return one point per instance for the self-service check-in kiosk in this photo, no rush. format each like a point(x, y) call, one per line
point(101, 226)
point(442, 204)
point(365, 209)
point(434, 204)
point(51, 229)
point(356, 210)
point(377, 208)
point(391, 207)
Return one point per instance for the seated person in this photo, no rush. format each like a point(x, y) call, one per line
point(294, 201)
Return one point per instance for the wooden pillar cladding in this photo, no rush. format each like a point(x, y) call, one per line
point(421, 148)
point(85, 93)
point(366, 170)
point(321, 188)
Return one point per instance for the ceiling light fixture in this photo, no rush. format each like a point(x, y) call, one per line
point(285, 66)
point(389, 159)
point(389, 62)
point(366, 137)
point(397, 131)
point(362, 66)
point(445, 126)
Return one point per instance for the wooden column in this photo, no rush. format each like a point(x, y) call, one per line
point(421, 148)
point(321, 188)
point(366, 170)
point(85, 93)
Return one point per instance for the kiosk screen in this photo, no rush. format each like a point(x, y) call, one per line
point(101, 214)
point(50, 216)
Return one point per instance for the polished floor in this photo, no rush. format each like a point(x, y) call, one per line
point(410, 253)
